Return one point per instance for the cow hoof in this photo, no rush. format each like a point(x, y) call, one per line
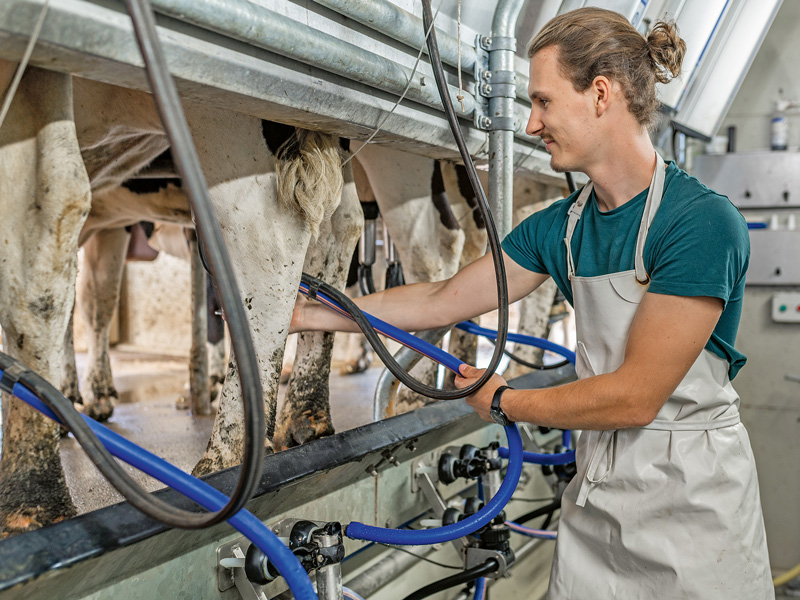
point(205, 466)
point(30, 499)
point(300, 433)
point(182, 403)
point(353, 368)
point(29, 520)
point(100, 410)
point(215, 389)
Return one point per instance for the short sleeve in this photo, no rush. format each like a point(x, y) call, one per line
point(703, 251)
point(521, 246)
point(536, 242)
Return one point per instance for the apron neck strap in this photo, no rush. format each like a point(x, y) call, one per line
point(654, 195)
point(574, 213)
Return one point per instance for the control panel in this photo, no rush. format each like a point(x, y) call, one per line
point(786, 307)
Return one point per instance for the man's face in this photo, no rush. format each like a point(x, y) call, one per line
point(562, 117)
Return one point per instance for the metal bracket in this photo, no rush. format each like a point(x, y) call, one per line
point(431, 494)
point(495, 84)
point(482, 75)
point(497, 43)
point(228, 578)
point(487, 123)
point(475, 557)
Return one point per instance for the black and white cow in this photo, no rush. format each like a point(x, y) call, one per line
point(66, 142)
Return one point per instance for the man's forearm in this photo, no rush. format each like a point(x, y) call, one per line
point(410, 307)
point(601, 402)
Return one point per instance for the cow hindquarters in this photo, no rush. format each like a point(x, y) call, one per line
point(44, 200)
point(267, 240)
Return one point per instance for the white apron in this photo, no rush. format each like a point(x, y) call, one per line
point(671, 510)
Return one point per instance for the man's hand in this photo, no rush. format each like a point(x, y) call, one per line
point(298, 314)
point(481, 400)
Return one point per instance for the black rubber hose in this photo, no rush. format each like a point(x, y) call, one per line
point(150, 505)
point(494, 241)
point(394, 275)
point(570, 182)
point(547, 520)
point(547, 509)
point(380, 349)
point(210, 237)
point(531, 365)
point(490, 566)
point(365, 279)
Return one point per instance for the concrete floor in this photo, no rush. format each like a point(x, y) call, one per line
point(146, 414)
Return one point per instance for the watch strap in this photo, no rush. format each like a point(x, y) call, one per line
point(497, 413)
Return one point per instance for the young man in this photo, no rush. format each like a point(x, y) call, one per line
point(665, 503)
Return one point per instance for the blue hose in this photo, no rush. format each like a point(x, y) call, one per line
point(519, 339)
point(542, 534)
point(480, 588)
point(194, 489)
point(392, 332)
point(562, 458)
point(566, 438)
point(417, 537)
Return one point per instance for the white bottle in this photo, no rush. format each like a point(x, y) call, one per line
point(779, 133)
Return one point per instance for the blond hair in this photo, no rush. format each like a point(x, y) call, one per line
point(594, 41)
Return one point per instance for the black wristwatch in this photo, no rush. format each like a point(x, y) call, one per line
point(497, 414)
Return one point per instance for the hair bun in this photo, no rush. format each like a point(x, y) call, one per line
point(666, 50)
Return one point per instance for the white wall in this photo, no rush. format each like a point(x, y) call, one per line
point(774, 75)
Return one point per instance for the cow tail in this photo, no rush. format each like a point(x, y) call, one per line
point(309, 170)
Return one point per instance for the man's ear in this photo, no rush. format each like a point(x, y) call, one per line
point(601, 90)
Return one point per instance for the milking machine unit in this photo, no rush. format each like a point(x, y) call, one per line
point(294, 548)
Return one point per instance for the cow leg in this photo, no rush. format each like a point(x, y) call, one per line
point(267, 233)
point(359, 353)
point(44, 200)
point(534, 309)
point(215, 344)
point(98, 295)
point(465, 208)
point(305, 414)
point(69, 378)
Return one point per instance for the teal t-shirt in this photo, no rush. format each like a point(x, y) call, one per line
point(697, 245)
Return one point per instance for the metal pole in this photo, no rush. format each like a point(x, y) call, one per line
point(329, 582)
point(387, 383)
point(501, 110)
point(402, 26)
point(263, 28)
point(198, 358)
point(385, 571)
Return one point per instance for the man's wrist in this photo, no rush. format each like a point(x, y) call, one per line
point(496, 412)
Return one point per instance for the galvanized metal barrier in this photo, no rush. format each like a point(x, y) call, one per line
point(332, 65)
point(358, 475)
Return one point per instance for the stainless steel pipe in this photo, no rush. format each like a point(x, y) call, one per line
point(386, 571)
point(501, 141)
point(402, 26)
point(263, 28)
